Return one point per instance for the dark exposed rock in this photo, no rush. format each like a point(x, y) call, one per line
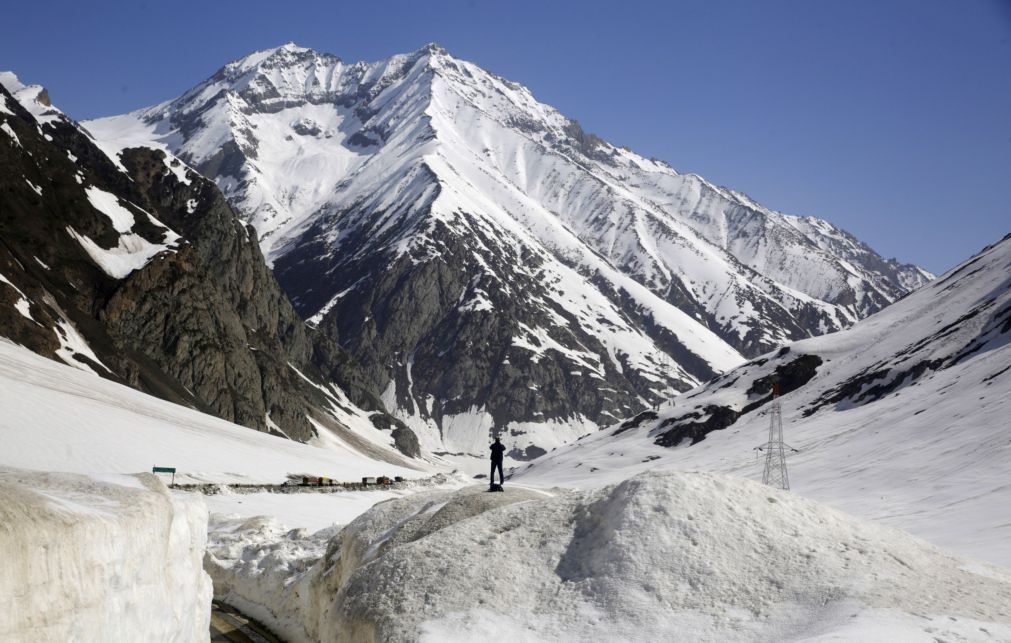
point(674, 431)
point(405, 441)
point(406, 312)
point(531, 452)
point(789, 376)
point(862, 389)
point(637, 421)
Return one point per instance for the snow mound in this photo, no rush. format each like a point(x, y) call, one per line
point(672, 556)
point(110, 558)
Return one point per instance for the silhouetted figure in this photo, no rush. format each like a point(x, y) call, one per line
point(497, 450)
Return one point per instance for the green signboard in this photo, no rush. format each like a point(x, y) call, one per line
point(171, 470)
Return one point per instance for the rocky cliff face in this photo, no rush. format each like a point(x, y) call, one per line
point(492, 265)
point(136, 267)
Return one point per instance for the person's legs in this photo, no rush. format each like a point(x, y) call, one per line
point(501, 476)
point(491, 477)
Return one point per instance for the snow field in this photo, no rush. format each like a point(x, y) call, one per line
point(61, 419)
point(315, 511)
point(671, 556)
point(101, 558)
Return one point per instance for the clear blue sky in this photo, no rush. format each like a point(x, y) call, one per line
point(891, 118)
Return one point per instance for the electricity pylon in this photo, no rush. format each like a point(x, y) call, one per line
point(775, 474)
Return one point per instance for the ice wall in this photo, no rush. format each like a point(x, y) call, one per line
point(100, 558)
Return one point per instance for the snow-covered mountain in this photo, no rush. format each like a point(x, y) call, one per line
point(492, 265)
point(902, 418)
point(135, 268)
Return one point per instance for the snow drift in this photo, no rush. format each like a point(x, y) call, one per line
point(116, 558)
point(685, 556)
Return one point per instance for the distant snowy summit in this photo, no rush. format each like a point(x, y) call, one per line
point(492, 265)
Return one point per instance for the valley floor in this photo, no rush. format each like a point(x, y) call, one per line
point(580, 546)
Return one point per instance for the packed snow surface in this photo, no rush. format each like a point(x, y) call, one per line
point(660, 556)
point(100, 558)
point(314, 511)
point(61, 419)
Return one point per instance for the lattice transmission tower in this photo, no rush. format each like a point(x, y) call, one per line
point(775, 474)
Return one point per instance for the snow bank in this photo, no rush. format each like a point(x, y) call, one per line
point(670, 556)
point(256, 565)
point(111, 558)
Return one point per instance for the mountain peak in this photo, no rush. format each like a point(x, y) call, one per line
point(34, 98)
point(272, 58)
point(11, 81)
point(433, 48)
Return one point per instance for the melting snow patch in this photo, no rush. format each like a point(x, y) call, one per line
point(72, 343)
point(5, 128)
point(108, 204)
point(22, 305)
point(131, 253)
point(176, 167)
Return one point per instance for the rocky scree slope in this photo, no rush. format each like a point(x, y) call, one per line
point(492, 265)
point(137, 268)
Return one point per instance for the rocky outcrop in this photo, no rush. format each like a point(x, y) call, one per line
point(408, 316)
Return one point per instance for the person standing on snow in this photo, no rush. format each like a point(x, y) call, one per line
point(497, 450)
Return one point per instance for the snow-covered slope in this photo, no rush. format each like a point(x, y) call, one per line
point(101, 558)
point(658, 557)
point(57, 418)
point(902, 418)
point(494, 266)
